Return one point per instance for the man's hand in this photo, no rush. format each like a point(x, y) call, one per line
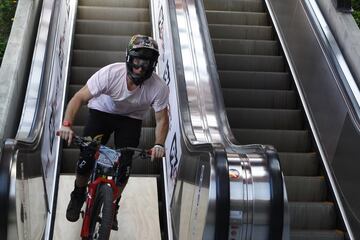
point(157, 152)
point(66, 133)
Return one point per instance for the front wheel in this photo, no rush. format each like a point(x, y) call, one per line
point(102, 214)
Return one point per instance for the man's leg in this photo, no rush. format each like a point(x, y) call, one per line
point(96, 125)
point(127, 134)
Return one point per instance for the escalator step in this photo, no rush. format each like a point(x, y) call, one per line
point(278, 99)
point(72, 89)
point(90, 58)
point(69, 159)
point(112, 27)
point(250, 63)
point(240, 18)
point(309, 189)
point(246, 5)
point(245, 47)
point(256, 118)
point(299, 164)
point(312, 215)
point(149, 119)
point(282, 140)
point(116, 3)
point(241, 32)
point(317, 235)
point(101, 42)
point(82, 116)
point(255, 80)
point(113, 13)
point(80, 75)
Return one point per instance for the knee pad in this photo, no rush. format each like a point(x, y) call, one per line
point(86, 161)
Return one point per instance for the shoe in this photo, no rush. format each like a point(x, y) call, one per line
point(76, 202)
point(115, 226)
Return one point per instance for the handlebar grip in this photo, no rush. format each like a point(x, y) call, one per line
point(149, 151)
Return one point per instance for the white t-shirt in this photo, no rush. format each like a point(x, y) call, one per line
point(110, 93)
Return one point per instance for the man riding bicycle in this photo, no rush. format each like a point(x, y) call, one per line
point(118, 97)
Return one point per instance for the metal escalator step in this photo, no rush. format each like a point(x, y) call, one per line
point(241, 32)
point(282, 140)
point(112, 27)
point(88, 58)
point(306, 189)
point(147, 138)
point(72, 89)
point(256, 118)
point(317, 235)
point(255, 80)
point(299, 164)
point(69, 159)
point(234, 17)
point(245, 47)
point(101, 42)
point(80, 75)
point(246, 5)
point(113, 14)
point(82, 116)
point(250, 63)
point(116, 3)
point(312, 215)
point(258, 98)
point(149, 119)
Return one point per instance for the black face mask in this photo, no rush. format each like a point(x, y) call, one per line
point(136, 79)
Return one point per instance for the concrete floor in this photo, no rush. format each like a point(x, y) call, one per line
point(138, 215)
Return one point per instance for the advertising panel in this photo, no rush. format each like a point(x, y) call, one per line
point(166, 70)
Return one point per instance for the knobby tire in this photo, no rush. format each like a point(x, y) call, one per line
point(103, 204)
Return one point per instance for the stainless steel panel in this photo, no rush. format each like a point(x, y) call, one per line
point(328, 94)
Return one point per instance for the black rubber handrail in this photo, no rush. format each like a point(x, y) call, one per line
point(222, 207)
point(277, 194)
point(6, 162)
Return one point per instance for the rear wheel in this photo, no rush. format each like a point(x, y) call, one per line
point(102, 214)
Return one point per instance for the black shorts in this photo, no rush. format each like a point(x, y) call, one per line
point(126, 134)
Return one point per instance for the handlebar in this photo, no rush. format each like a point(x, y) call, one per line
point(87, 141)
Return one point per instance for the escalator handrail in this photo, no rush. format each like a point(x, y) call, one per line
point(277, 192)
point(193, 135)
point(33, 117)
point(337, 58)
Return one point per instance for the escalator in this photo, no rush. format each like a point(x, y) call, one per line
point(102, 32)
point(263, 106)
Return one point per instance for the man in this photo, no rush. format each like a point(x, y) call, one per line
point(118, 97)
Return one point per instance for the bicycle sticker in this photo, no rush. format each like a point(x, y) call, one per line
point(108, 155)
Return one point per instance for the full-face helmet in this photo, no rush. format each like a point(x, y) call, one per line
point(143, 52)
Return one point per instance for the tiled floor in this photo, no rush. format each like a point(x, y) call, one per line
point(138, 216)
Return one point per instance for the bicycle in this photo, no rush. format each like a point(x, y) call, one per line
point(102, 190)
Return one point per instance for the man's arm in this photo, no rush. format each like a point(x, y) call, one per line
point(80, 98)
point(161, 130)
